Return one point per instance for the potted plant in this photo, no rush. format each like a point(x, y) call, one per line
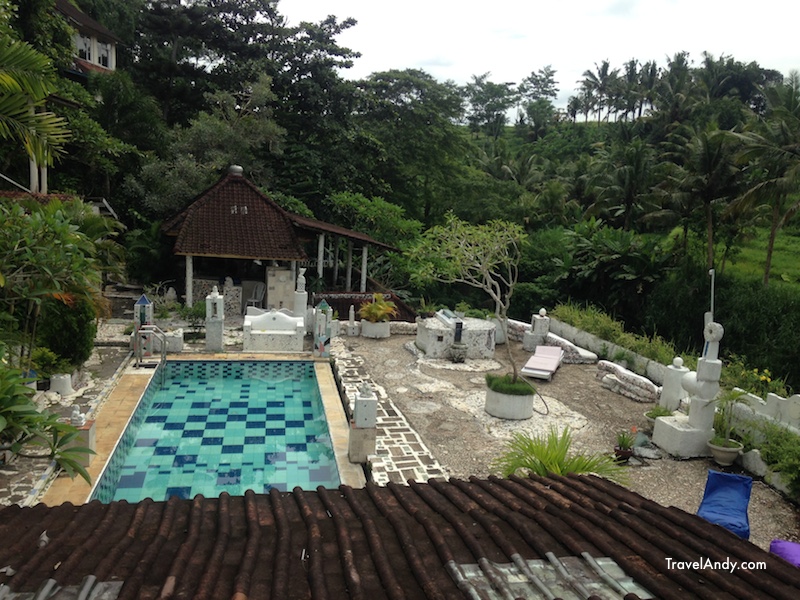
point(624, 447)
point(724, 449)
point(375, 316)
point(509, 398)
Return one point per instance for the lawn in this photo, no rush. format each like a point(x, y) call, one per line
point(749, 262)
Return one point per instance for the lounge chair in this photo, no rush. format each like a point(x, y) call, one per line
point(544, 362)
point(725, 502)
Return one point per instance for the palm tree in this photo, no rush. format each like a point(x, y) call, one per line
point(623, 180)
point(25, 82)
point(599, 85)
point(705, 173)
point(772, 153)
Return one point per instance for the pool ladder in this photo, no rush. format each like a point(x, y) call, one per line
point(149, 331)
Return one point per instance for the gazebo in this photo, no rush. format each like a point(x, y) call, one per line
point(240, 236)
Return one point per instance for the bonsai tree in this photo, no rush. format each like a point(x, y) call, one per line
point(379, 310)
point(485, 257)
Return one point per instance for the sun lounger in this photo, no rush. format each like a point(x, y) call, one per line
point(544, 362)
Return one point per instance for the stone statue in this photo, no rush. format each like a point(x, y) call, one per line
point(228, 283)
point(77, 419)
point(301, 280)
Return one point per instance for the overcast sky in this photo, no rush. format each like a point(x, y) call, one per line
point(511, 38)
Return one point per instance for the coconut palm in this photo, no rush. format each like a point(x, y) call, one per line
point(599, 85)
point(26, 80)
point(772, 152)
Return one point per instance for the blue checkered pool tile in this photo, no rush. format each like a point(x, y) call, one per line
point(217, 426)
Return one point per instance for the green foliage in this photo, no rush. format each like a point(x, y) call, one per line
point(22, 423)
point(610, 267)
point(781, 451)
point(507, 384)
point(195, 315)
point(68, 329)
point(725, 416)
point(596, 322)
point(378, 310)
point(658, 411)
point(756, 381)
point(377, 218)
point(46, 362)
point(551, 454)
point(625, 439)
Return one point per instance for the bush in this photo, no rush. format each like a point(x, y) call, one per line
point(46, 363)
point(68, 329)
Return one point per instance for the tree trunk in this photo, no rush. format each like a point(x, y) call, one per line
point(710, 235)
point(773, 233)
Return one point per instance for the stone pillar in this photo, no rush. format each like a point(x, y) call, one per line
point(672, 391)
point(215, 321)
point(322, 330)
point(363, 427)
point(189, 280)
point(537, 336)
point(300, 296)
point(353, 328)
point(364, 252)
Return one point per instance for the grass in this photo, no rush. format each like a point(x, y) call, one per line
point(749, 261)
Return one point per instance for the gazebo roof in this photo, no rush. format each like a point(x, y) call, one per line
point(234, 219)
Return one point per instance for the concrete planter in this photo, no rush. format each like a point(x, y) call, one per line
point(507, 406)
point(723, 455)
point(375, 330)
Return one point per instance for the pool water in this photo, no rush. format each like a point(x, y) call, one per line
point(223, 426)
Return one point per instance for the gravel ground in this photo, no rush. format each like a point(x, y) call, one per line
point(444, 403)
point(445, 406)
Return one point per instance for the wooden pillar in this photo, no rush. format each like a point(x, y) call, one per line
point(348, 284)
point(189, 280)
point(364, 251)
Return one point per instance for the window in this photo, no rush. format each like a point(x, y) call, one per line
point(84, 46)
point(104, 54)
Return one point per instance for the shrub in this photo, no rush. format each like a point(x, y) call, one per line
point(46, 362)
point(781, 451)
point(551, 454)
point(758, 382)
point(68, 329)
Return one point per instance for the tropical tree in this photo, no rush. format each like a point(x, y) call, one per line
point(599, 85)
point(485, 257)
point(489, 103)
point(623, 180)
point(771, 151)
point(26, 80)
point(704, 175)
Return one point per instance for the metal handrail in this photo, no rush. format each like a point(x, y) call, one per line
point(149, 330)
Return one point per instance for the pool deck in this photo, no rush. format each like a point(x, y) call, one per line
point(114, 414)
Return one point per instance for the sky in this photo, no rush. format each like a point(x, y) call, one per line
point(454, 40)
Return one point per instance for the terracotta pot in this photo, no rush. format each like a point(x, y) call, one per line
point(623, 454)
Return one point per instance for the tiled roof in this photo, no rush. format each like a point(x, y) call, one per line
point(234, 219)
point(83, 22)
point(315, 225)
point(434, 540)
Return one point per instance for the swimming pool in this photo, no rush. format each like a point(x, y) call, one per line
point(214, 426)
